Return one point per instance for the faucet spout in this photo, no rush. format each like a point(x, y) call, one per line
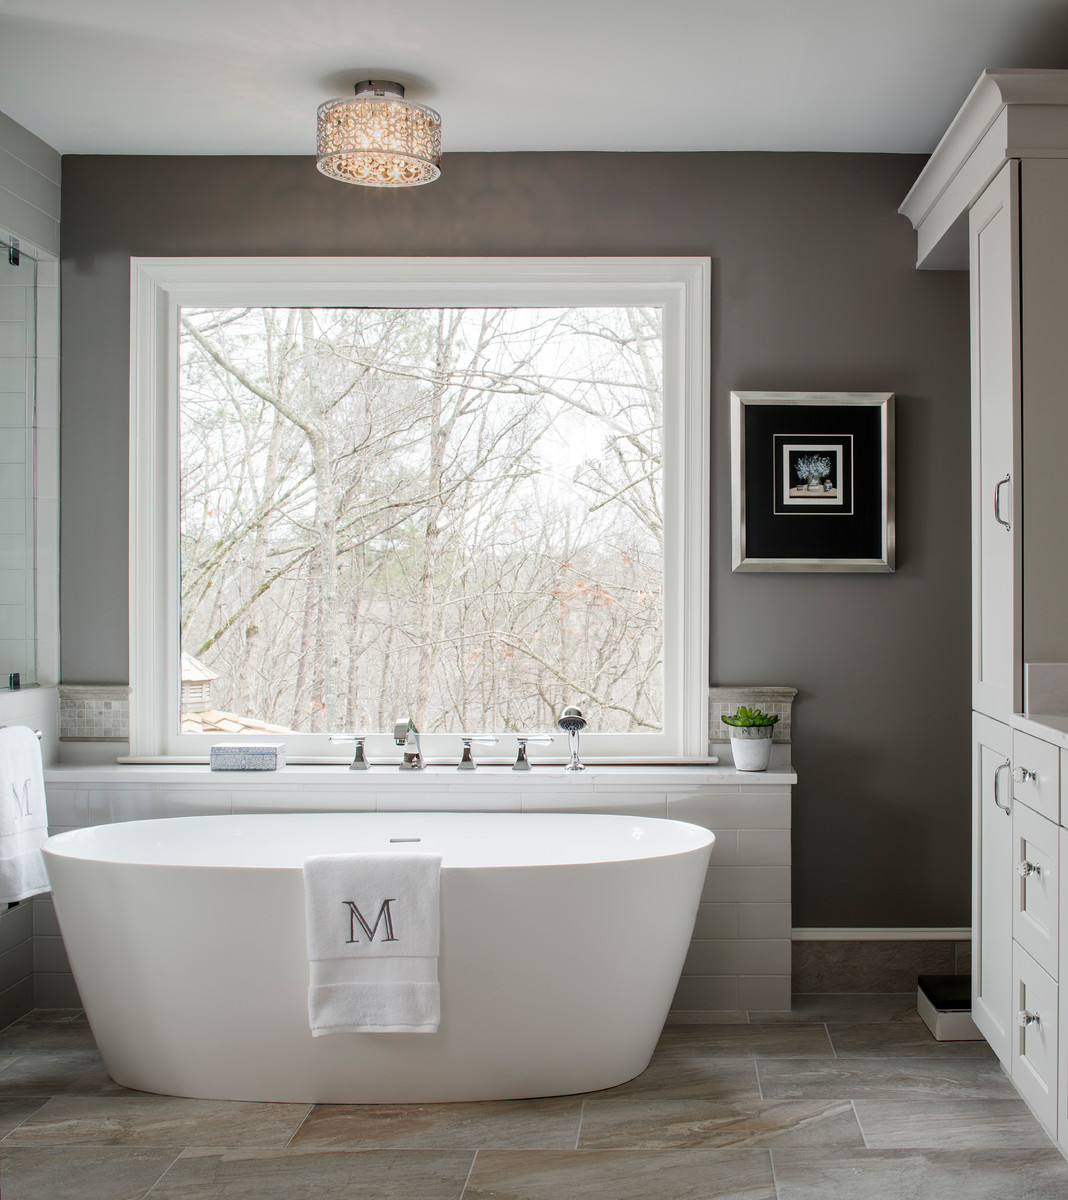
point(405, 734)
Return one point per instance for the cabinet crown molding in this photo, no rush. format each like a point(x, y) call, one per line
point(1009, 113)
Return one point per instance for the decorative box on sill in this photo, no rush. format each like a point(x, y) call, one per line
point(248, 756)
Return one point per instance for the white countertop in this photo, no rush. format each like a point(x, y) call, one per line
point(594, 777)
point(1051, 727)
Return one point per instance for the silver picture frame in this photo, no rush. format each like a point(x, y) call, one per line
point(837, 517)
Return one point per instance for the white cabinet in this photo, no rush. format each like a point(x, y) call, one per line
point(992, 883)
point(997, 669)
point(993, 198)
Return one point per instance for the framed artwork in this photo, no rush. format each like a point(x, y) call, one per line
point(812, 477)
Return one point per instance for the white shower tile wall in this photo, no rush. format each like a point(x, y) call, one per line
point(740, 953)
point(94, 713)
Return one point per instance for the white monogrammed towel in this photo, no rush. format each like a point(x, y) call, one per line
point(373, 927)
point(23, 819)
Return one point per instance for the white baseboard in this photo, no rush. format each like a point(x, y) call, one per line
point(939, 933)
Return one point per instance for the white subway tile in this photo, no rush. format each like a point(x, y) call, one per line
point(740, 810)
point(716, 921)
point(747, 884)
point(12, 174)
point(724, 849)
point(765, 993)
point(706, 992)
point(55, 991)
point(763, 847)
point(247, 800)
point(67, 804)
point(738, 956)
point(42, 193)
point(49, 954)
point(764, 920)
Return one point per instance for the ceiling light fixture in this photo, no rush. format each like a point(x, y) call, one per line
point(379, 139)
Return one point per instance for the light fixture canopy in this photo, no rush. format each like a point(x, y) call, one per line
point(378, 138)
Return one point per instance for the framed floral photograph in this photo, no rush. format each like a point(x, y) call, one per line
point(812, 481)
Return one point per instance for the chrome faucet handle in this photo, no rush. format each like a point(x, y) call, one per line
point(405, 734)
point(467, 763)
point(522, 763)
point(359, 759)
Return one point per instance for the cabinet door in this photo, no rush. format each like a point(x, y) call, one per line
point(1034, 1037)
point(997, 666)
point(1036, 908)
point(992, 883)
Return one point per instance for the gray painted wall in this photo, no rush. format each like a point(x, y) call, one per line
point(813, 288)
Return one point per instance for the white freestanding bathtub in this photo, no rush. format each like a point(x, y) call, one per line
point(562, 940)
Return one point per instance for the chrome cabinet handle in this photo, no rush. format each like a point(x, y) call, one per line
point(1005, 766)
point(1025, 1018)
point(997, 502)
point(1025, 775)
point(1026, 868)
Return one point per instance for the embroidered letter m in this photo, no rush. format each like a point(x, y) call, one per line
point(384, 914)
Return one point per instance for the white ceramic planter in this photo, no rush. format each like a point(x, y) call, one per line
point(751, 746)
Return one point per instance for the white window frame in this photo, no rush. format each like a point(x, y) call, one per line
point(161, 286)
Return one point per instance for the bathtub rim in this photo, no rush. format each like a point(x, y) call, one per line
point(683, 837)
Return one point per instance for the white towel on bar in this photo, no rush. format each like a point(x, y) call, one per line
point(373, 926)
point(23, 818)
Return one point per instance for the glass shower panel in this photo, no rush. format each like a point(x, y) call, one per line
point(18, 358)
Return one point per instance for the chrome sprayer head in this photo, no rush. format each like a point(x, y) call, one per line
point(572, 722)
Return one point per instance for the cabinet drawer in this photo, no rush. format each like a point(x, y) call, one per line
point(1036, 774)
point(1036, 879)
point(1034, 1037)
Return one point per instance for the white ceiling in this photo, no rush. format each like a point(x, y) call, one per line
point(245, 76)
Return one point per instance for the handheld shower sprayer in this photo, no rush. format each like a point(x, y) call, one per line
point(572, 722)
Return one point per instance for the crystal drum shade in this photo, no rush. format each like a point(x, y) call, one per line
point(379, 139)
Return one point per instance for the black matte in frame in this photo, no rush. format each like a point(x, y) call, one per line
point(813, 535)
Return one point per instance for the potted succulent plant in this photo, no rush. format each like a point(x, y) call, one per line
point(750, 735)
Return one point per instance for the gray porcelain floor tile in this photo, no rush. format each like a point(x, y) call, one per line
point(46, 1037)
point(734, 1041)
point(314, 1174)
point(920, 1175)
point(732, 1017)
point(878, 1078)
point(78, 1072)
point(14, 1111)
point(49, 1016)
point(82, 1173)
point(685, 1123)
point(677, 1077)
point(899, 1041)
point(847, 1008)
point(621, 1175)
point(138, 1118)
point(504, 1124)
point(949, 1125)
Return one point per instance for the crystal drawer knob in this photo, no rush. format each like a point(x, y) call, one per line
point(1025, 775)
point(1025, 1018)
point(1027, 868)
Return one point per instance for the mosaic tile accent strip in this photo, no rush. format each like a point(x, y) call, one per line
point(94, 713)
point(772, 700)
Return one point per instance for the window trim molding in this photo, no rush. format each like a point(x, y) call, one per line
point(160, 286)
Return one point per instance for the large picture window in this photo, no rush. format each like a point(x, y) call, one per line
point(469, 492)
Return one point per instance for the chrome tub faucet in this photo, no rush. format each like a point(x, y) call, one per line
point(405, 734)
